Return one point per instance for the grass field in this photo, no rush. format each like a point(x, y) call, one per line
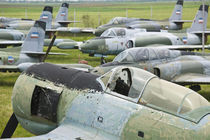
point(95, 11)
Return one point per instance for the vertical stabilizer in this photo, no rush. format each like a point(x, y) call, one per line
point(62, 13)
point(35, 39)
point(46, 16)
point(198, 22)
point(177, 12)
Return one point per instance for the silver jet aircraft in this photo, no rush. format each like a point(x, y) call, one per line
point(175, 22)
point(126, 103)
point(31, 51)
point(115, 40)
point(181, 67)
point(61, 19)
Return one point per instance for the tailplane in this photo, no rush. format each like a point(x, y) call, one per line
point(200, 21)
point(46, 16)
point(35, 39)
point(177, 12)
point(62, 13)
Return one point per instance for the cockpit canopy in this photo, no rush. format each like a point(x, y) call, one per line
point(142, 87)
point(121, 20)
point(113, 32)
point(121, 32)
point(146, 54)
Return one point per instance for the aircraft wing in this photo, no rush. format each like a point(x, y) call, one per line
point(72, 30)
point(207, 32)
point(10, 42)
point(191, 78)
point(181, 47)
point(67, 22)
point(181, 21)
point(41, 53)
point(23, 66)
point(10, 68)
point(187, 47)
point(72, 131)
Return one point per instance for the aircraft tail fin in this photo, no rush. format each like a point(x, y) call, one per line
point(46, 16)
point(199, 20)
point(35, 39)
point(62, 13)
point(177, 12)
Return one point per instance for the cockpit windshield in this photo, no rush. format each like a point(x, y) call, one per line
point(129, 82)
point(112, 32)
point(142, 87)
point(145, 54)
point(117, 20)
point(171, 97)
point(124, 56)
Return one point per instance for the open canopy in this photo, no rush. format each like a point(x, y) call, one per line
point(142, 87)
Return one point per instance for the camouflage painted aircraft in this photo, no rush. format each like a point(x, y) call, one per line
point(60, 21)
point(31, 51)
point(175, 22)
point(181, 67)
point(126, 103)
point(16, 37)
point(115, 40)
point(11, 37)
point(5, 20)
point(6, 35)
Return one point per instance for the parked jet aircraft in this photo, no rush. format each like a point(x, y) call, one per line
point(60, 21)
point(14, 59)
point(115, 40)
point(6, 35)
point(11, 37)
point(16, 37)
point(5, 20)
point(175, 22)
point(181, 67)
point(125, 103)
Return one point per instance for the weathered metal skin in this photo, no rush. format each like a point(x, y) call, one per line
point(102, 115)
point(144, 41)
point(167, 64)
point(174, 23)
point(114, 44)
point(11, 35)
point(36, 124)
point(94, 44)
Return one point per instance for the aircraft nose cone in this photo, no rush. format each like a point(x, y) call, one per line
point(99, 31)
point(93, 46)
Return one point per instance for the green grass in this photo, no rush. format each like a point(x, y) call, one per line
point(106, 11)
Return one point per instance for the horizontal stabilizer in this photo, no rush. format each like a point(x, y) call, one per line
point(72, 30)
point(200, 32)
point(10, 68)
point(183, 47)
point(41, 53)
point(67, 22)
point(10, 42)
point(192, 78)
point(181, 21)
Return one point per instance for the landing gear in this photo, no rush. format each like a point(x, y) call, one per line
point(195, 87)
point(103, 61)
